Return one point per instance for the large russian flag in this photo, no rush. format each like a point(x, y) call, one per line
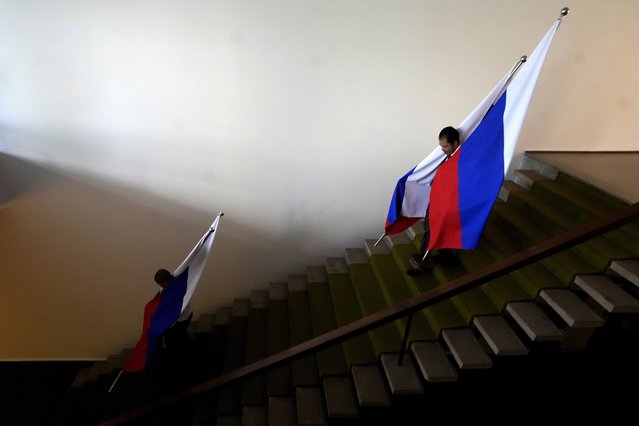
point(167, 305)
point(466, 186)
point(412, 195)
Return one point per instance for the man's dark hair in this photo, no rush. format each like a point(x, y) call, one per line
point(449, 134)
point(163, 276)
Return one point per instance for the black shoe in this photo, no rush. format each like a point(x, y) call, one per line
point(414, 272)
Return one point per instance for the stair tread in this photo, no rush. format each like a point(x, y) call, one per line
point(254, 416)
point(433, 362)
point(356, 256)
point(281, 411)
point(607, 294)
point(370, 386)
point(330, 360)
point(570, 308)
point(310, 406)
point(499, 335)
point(339, 397)
point(371, 249)
point(402, 379)
point(466, 349)
point(534, 322)
point(628, 269)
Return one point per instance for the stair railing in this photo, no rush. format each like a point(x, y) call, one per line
point(405, 308)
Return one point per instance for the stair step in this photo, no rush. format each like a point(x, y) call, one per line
point(254, 416)
point(370, 386)
point(240, 307)
point(527, 178)
point(229, 421)
point(310, 406)
point(607, 294)
point(278, 291)
point(259, 299)
point(297, 283)
point(433, 362)
point(628, 269)
point(355, 256)
point(534, 322)
point(278, 380)
point(371, 249)
point(223, 315)
point(570, 308)
point(507, 188)
point(340, 397)
point(466, 349)
point(499, 336)
point(316, 274)
point(281, 411)
point(402, 379)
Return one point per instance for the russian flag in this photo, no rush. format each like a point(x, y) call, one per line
point(167, 305)
point(466, 186)
point(412, 195)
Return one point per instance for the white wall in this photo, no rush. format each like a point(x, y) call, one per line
point(126, 125)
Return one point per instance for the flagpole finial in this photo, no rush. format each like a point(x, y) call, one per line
point(523, 58)
point(564, 12)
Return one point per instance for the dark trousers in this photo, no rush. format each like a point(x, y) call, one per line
point(423, 247)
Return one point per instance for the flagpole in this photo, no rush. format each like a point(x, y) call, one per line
point(379, 239)
point(115, 381)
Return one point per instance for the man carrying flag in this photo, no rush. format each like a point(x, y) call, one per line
point(466, 182)
point(167, 315)
point(422, 261)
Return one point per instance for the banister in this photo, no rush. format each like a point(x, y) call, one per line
point(458, 285)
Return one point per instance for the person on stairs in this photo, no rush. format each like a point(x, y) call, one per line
point(423, 261)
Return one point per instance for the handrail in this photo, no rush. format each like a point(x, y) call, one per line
point(458, 285)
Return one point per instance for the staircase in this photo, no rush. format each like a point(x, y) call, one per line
point(490, 345)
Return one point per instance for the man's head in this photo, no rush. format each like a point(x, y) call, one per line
point(163, 278)
point(449, 140)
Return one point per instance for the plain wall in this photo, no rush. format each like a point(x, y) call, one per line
point(125, 126)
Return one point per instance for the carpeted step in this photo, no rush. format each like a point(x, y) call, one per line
point(281, 411)
point(502, 290)
point(339, 395)
point(532, 278)
point(534, 322)
point(607, 294)
point(466, 349)
point(357, 350)
point(229, 398)
point(582, 207)
point(310, 406)
point(433, 362)
point(206, 406)
point(565, 264)
point(628, 269)
point(403, 379)
point(370, 386)
point(254, 416)
point(304, 370)
point(441, 315)
point(278, 380)
point(499, 335)
point(395, 290)
point(330, 361)
point(599, 250)
point(469, 303)
point(229, 420)
point(254, 388)
point(371, 299)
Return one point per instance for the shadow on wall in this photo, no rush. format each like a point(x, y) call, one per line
point(79, 257)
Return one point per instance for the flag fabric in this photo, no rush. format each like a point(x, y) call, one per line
point(412, 194)
point(168, 304)
point(466, 186)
